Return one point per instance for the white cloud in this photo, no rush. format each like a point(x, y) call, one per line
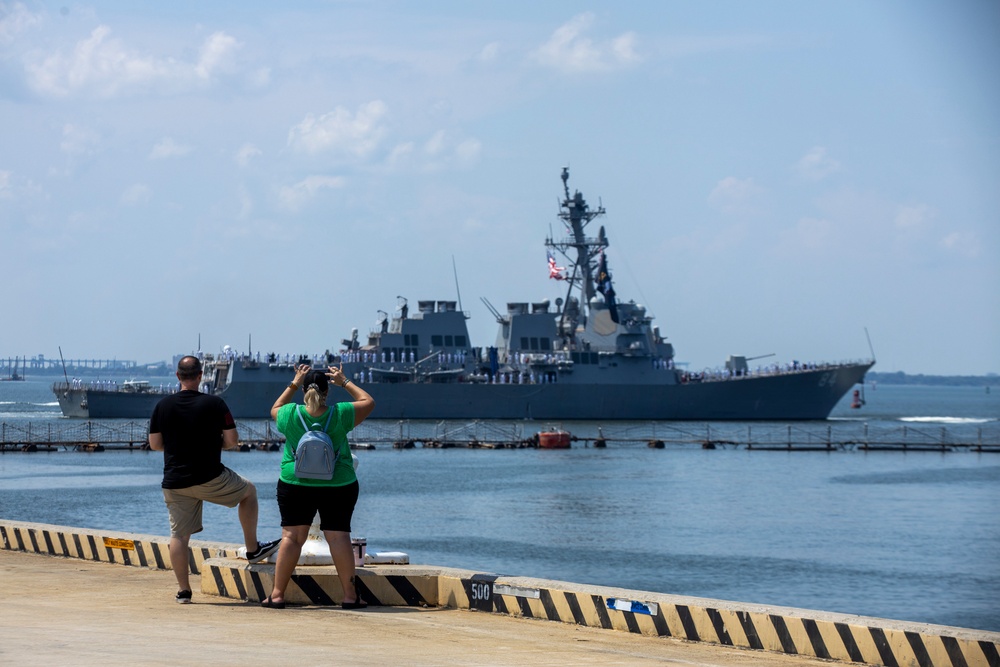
point(103, 66)
point(294, 197)
point(816, 165)
point(339, 131)
point(569, 50)
point(623, 49)
point(136, 194)
point(963, 243)
point(19, 188)
point(167, 148)
point(246, 204)
point(913, 217)
point(443, 152)
point(97, 64)
point(439, 152)
point(216, 54)
point(435, 145)
point(260, 77)
point(808, 234)
point(734, 195)
point(246, 153)
point(78, 140)
point(468, 151)
point(14, 21)
point(490, 52)
point(400, 154)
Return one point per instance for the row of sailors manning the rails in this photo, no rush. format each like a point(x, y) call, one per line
point(443, 359)
point(452, 360)
point(458, 360)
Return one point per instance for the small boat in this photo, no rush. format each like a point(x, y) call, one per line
point(135, 386)
point(14, 377)
point(557, 439)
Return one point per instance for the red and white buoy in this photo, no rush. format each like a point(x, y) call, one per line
point(856, 400)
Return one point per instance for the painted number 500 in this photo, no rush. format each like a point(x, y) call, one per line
point(480, 591)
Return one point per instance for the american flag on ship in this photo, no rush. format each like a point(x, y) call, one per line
point(555, 272)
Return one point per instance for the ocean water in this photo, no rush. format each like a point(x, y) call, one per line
point(910, 536)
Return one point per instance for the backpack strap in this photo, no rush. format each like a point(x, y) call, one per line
point(301, 419)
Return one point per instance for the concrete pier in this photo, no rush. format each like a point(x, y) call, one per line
point(85, 608)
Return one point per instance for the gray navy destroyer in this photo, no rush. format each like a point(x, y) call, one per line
point(587, 356)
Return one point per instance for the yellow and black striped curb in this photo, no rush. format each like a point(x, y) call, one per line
point(841, 637)
point(105, 546)
point(381, 585)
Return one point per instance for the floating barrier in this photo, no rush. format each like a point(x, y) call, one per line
point(97, 436)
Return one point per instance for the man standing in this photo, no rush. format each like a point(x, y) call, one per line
point(192, 429)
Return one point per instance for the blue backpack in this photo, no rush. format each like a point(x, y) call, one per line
point(315, 455)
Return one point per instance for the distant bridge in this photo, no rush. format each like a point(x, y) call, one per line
point(23, 365)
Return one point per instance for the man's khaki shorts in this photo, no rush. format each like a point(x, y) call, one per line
point(184, 505)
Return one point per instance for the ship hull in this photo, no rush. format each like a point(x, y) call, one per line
point(103, 404)
point(73, 402)
point(801, 395)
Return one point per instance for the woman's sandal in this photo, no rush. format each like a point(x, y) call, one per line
point(357, 604)
point(271, 604)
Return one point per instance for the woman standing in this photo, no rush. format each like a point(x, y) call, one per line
point(300, 499)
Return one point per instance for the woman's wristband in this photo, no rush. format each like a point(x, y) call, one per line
point(345, 382)
point(293, 386)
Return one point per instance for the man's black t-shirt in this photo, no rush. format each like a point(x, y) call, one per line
point(191, 424)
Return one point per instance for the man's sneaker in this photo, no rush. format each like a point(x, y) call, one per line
point(263, 550)
point(184, 597)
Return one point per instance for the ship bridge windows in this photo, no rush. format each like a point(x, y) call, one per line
point(411, 340)
point(534, 343)
point(438, 340)
point(584, 357)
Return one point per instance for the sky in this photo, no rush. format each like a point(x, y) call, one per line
point(779, 177)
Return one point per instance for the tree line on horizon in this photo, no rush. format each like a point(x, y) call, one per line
point(899, 377)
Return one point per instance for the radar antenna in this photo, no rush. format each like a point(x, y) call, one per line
point(580, 251)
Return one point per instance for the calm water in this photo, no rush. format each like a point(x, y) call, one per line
point(911, 536)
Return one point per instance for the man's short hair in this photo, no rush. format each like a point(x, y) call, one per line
point(189, 368)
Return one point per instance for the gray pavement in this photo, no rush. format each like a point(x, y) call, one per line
point(74, 612)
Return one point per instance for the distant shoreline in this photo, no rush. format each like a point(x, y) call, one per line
point(900, 377)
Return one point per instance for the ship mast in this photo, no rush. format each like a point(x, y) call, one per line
point(577, 215)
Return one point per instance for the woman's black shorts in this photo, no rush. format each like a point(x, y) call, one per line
point(298, 505)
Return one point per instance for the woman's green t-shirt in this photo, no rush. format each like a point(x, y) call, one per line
point(341, 423)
